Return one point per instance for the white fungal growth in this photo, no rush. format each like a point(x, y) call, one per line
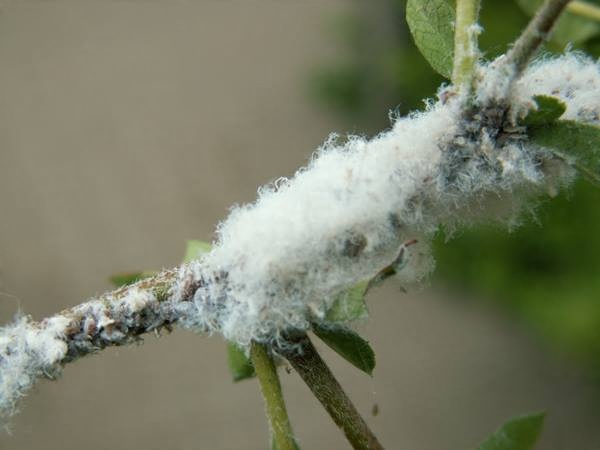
point(278, 263)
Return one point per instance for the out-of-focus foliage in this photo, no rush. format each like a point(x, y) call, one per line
point(518, 433)
point(547, 271)
point(570, 28)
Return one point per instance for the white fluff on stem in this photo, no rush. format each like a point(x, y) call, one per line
point(279, 263)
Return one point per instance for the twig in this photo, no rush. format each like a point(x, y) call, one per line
point(315, 373)
point(266, 373)
point(119, 317)
point(533, 36)
point(31, 350)
point(340, 220)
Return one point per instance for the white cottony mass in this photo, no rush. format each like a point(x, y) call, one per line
point(279, 263)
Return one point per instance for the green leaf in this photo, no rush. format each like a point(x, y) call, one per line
point(431, 24)
point(194, 249)
point(519, 433)
point(549, 109)
point(577, 143)
point(126, 278)
point(239, 364)
point(348, 345)
point(570, 28)
point(349, 305)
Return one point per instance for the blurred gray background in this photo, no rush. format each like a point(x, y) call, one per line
point(127, 127)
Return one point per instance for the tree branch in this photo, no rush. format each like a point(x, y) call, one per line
point(312, 369)
point(342, 219)
point(30, 350)
point(536, 32)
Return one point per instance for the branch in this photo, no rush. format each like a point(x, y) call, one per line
point(305, 359)
point(340, 220)
point(534, 35)
point(29, 349)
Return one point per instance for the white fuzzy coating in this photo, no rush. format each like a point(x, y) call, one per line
point(27, 352)
point(343, 218)
point(30, 350)
point(306, 239)
point(279, 263)
point(573, 78)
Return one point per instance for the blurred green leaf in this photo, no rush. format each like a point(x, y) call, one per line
point(194, 249)
point(576, 142)
point(349, 305)
point(343, 86)
point(431, 24)
point(569, 136)
point(549, 109)
point(348, 345)
point(519, 433)
point(239, 364)
point(126, 278)
point(570, 28)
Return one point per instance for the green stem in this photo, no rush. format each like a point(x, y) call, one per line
point(533, 36)
point(266, 373)
point(315, 373)
point(466, 50)
point(584, 9)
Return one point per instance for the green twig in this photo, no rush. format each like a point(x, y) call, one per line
point(315, 373)
point(271, 390)
point(466, 50)
point(533, 36)
point(584, 9)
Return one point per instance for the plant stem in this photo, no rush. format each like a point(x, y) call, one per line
point(271, 390)
point(533, 36)
point(584, 9)
point(466, 51)
point(315, 373)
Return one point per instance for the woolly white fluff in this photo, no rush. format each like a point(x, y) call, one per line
point(286, 255)
point(279, 262)
point(26, 353)
point(573, 78)
point(29, 350)
point(334, 223)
